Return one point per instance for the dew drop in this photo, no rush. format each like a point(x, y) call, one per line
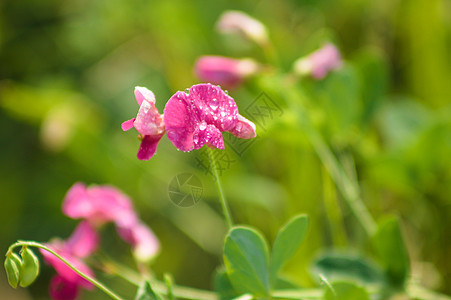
point(202, 125)
point(187, 91)
point(214, 103)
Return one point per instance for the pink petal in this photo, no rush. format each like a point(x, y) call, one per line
point(239, 22)
point(143, 241)
point(142, 93)
point(180, 119)
point(110, 205)
point(149, 121)
point(148, 146)
point(61, 289)
point(219, 70)
point(76, 204)
point(127, 125)
point(207, 134)
point(324, 60)
point(98, 205)
point(64, 270)
point(213, 105)
point(244, 129)
point(84, 240)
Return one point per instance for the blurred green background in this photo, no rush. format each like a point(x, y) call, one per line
point(67, 73)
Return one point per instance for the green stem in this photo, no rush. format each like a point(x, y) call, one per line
point(133, 277)
point(225, 207)
point(336, 223)
point(349, 190)
point(85, 276)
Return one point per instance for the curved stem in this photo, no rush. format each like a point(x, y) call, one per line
point(85, 276)
point(224, 205)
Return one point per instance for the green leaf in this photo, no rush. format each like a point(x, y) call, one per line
point(246, 261)
point(282, 283)
point(287, 242)
point(389, 245)
point(345, 266)
point(145, 292)
point(30, 267)
point(223, 286)
point(343, 290)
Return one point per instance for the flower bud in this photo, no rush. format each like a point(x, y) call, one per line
point(241, 23)
point(225, 71)
point(319, 63)
point(30, 267)
point(13, 265)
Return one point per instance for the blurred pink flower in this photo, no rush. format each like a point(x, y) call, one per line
point(198, 118)
point(143, 241)
point(82, 243)
point(98, 205)
point(241, 23)
point(320, 62)
point(102, 204)
point(148, 122)
point(225, 71)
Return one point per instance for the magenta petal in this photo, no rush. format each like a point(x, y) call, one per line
point(244, 129)
point(149, 121)
point(180, 120)
point(213, 105)
point(62, 289)
point(148, 146)
point(84, 240)
point(127, 125)
point(142, 93)
point(207, 134)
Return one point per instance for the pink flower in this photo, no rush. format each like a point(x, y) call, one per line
point(241, 23)
point(148, 122)
point(225, 71)
point(320, 62)
point(82, 243)
point(198, 118)
point(101, 204)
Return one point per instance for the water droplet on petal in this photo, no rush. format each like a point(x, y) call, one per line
point(202, 125)
point(187, 91)
point(226, 92)
point(214, 103)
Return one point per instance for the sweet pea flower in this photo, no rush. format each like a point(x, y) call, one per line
point(148, 122)
point(198, 118)
point(102, 204)
point(98, 205)
point(82, 243)
point(225, 71)
point(319, 63)
point(238, 22)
